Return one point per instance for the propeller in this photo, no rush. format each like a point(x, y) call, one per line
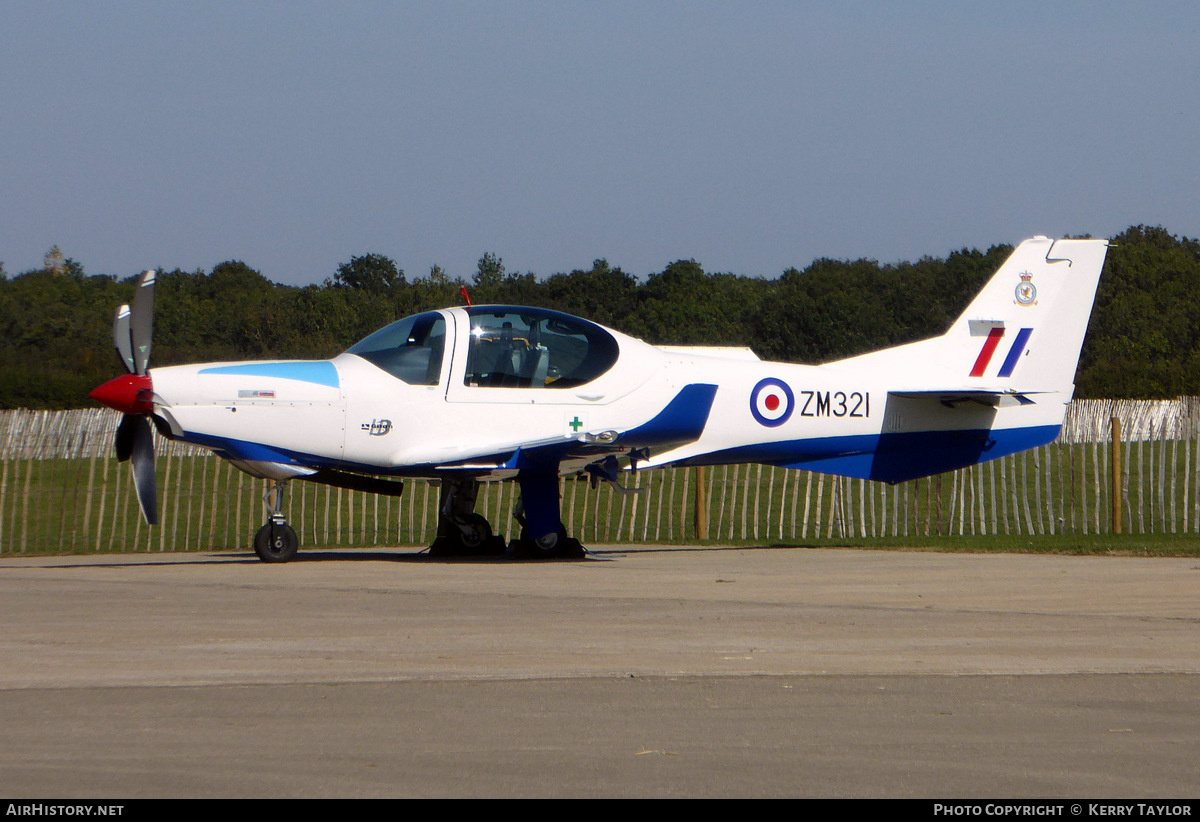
point(133, 393)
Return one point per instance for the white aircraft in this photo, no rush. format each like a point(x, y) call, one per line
point(495, 392)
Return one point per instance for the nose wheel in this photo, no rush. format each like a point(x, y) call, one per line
point(276, 541)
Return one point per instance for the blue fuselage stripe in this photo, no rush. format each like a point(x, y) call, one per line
point(893, 457)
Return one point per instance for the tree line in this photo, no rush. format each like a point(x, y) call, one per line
point(56, 321)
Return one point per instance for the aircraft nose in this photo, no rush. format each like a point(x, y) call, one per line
point(129, 394)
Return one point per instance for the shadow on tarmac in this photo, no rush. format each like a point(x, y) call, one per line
point(608, 554)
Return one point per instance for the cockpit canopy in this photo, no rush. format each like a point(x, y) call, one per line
point(509, 347)
point(515, 347)
point(409, 349)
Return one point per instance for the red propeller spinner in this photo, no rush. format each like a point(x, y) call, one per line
point(128, 393)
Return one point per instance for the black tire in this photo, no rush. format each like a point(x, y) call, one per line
point(477, 533)
point(560, 547)
point(544, 548)
point(276, 542)
point(476, 541)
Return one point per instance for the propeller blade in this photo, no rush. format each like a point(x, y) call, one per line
point(142, 460)
point(141, 321)
point(133, 394)
point(121, 337)
point(126, 432)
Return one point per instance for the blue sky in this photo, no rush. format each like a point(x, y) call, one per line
point(748, 136)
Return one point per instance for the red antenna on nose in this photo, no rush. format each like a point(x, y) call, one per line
point(466, 297)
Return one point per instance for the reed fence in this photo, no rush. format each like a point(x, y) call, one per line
point(62, 491)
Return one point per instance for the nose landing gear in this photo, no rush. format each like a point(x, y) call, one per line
point(276, 541)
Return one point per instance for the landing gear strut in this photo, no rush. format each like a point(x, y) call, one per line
point(542, 533)
point(460, 531)
point(276, 541)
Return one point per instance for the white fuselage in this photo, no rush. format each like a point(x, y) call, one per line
point(349, 413)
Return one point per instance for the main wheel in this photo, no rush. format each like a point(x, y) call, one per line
point(476, 533)
point(276, 542)
point(475, 539)
point(555, 545)
point(543, 547)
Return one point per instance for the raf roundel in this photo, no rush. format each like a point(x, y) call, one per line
point(771, 402)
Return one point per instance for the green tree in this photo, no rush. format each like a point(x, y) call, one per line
point(489, 271)
point(1144, 336)
point(683, 305)
point(603, 294)
point(55, 263)
point(371, 272)
point(435, 291)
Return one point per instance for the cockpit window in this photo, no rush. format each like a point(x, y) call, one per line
point(535, 348)
point(409, 349)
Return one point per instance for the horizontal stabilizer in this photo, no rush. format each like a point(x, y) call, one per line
point(994, 398)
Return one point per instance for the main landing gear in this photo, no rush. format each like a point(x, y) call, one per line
point(462, 532)
point(542, 533)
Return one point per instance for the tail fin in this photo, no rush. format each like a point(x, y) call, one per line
point(1025, 329)
point(999, 380)
point(1020, 335)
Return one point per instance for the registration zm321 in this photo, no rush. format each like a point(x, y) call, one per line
point(835, 404)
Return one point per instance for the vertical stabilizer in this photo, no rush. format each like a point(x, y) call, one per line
point(1025, 329)
point(998, 381)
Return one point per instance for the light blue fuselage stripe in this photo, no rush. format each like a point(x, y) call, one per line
point(320, 372)
point(1014, 353)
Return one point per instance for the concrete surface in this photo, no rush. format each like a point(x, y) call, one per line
point(640, 671)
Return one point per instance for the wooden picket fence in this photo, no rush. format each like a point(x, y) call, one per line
point(62, 491)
